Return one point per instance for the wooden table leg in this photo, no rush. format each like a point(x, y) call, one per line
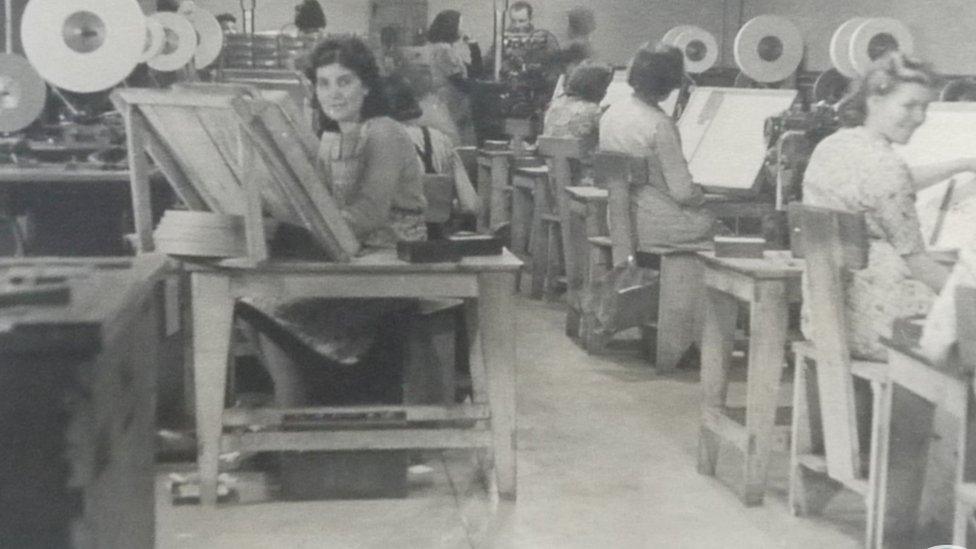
point(496, 320)
point(498, 215)
point(213, 312)
point(718, 333)
point(521, 220)
point(679, 309)
point(539, 239)
point(485, 193)
point(767, 340)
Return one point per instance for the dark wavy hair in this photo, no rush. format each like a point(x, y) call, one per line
point(655, 71)
point(445, 27)
point(309, 16)
point(401, 98)
point(883, 77)
point(582, 21)
point(352, 53)
point(589, 82)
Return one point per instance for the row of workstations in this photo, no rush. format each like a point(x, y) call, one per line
point(910, 464)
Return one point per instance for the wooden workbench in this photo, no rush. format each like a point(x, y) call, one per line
point(77, 406)
point(486, 285)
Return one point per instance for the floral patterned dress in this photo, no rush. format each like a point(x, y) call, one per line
point(857, 170)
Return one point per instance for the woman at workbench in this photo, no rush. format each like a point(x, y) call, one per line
point(857, 170)
point(329, 349)
point(449, 73)
point(667, 209)
point(368, 157)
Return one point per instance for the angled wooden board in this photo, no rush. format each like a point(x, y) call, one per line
point(207, 137)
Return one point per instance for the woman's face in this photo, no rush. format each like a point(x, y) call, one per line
point(340, 92)
point(898, 114)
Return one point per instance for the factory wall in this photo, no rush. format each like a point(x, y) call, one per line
point(942, 28)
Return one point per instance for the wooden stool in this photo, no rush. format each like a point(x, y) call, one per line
point(519, 129)
point(531, 203)
point(587, 220)
point(767, 286)
point(560, 153)
point(826, 453)
point(493, 188)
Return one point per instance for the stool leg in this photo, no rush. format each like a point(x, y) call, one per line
point(213, 313)
point(768, 318)
point(718, 334)
point(554, 261)
point(809, 491)
point(679, 309)
point(521, 220)
point(539, 241)
point(960, 524)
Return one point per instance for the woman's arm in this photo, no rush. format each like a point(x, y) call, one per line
point(382, 161)
point(674, 166)
point(927, 270)
point(930, 174)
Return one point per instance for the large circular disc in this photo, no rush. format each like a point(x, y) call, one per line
point(180, 43)
point(22, 93)
point(830, 86)
point(700, 49)
point(874, 37)
point(840, 46)
point(210, 37)
point(768, 48)
point(155, 39)
point(670, 36)
point(83, 45)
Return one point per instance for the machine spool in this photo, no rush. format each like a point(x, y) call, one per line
point(840, 46)
point(84, 45)
point(830, 87)
point(768, 48)
point(699, 47)
point(874, 37)
point(155, 39)
point(181, 42)
point(962, 89)
point(210, 38)
point(22, 93)
point(670, 36)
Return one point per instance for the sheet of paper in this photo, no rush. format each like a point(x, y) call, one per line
point(949, 132)
point(722, 134)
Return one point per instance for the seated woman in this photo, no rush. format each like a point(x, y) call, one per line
point(667, 209)
point(371, 170)
point(577, 112)
point(856, 170)
point(435, 152)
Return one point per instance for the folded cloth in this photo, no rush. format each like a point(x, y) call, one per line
point(941, 331)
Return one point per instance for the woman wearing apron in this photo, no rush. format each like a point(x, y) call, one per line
point(371, 170)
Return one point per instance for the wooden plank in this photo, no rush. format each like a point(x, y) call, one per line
point(852, 229)
point(241, 417)
point(380, 439)
point(198, 156)
point(135, 129)
point(820, 235)
point(171, 169)
point(300, 180)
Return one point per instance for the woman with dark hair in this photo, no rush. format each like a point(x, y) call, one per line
point(577, 112)
point(448, 71)
point(309, 17)
point(668, 208)
point(367, 156)
point(857, 170)
point(371, 170)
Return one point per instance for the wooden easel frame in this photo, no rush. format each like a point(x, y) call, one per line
point(267, 160)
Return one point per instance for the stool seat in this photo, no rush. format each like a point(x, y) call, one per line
point(600, 241)
point(550, 218)
point(864, 369)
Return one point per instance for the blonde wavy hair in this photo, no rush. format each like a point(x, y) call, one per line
point(883, 77)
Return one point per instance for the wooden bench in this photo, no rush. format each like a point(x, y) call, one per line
point(532, 205)
point(587, 220)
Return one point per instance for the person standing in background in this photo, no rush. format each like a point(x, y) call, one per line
point(448, 71)
point(582, 23)
point(228, 23)
point(309, 18)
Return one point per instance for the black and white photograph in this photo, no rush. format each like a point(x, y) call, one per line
point(487, 274)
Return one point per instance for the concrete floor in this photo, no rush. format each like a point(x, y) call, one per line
point(606, 460)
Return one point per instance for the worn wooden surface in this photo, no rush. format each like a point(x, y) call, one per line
point(485, 282)
point(78, 394)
